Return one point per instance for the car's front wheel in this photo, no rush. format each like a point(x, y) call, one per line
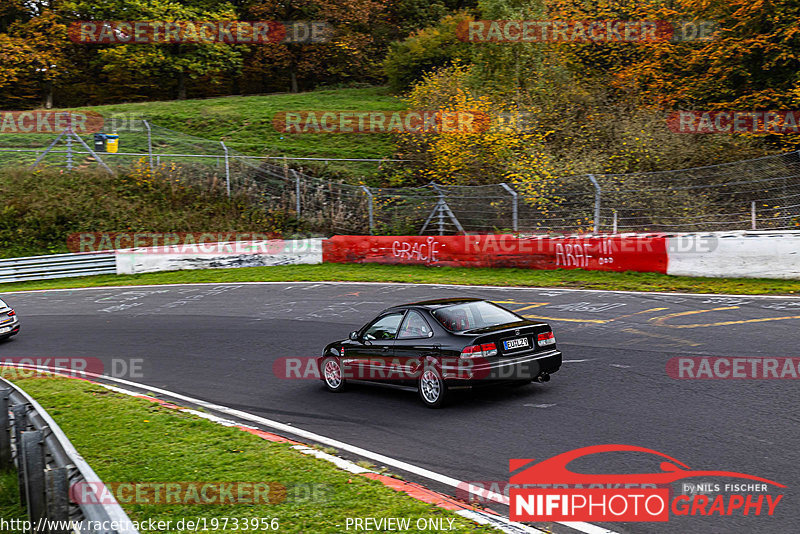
point(332, 374)
point(432, 389)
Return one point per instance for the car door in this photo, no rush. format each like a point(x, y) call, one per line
point(415, 342)
point(375, 347)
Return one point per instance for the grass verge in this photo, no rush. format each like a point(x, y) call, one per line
point(575, 279)
point(126, 439)
point(10, 507)
point(245, 123)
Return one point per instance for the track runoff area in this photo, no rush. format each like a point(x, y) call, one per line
point(703, 379)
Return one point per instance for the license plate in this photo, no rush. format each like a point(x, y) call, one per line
point(4, 330)
point(518, 343)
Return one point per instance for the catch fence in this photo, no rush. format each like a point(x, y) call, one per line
point(762, 193)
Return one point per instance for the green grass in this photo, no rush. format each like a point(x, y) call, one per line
point(245, 123)
point(10, 507)
point(39, 211)
point(132, 440)
point(576, 279)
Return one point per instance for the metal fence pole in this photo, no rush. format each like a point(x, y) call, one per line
point(440, 206)
point(514, 207)
point(5, 431)
point(297, 191)
point(69, 153)
point(369, 208)
point(57, 497)
point(33, 458)
point(614, 230)
point(149, 144)
point(753, 214)
point(597, 198)
point(227, 168)
point(20, 414)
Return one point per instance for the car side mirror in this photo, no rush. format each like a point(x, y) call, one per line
point(354, 335)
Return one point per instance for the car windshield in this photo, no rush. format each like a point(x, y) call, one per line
point(473, 315)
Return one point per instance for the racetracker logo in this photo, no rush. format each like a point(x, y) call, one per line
point(381, 122)
point(19, 122)
point(735, 121)
point(725, 368)
point(584, 31)
point(178, 493)
point(214, 243)
point(26, 367)
point(199, 32)
point(391, 369)
point(588, 502)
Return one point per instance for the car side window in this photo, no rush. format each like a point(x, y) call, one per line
point(384, 328)
point(414, 326)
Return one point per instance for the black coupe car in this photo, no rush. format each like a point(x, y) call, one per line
point(439, 345)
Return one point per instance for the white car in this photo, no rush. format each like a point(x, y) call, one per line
point(9, 322)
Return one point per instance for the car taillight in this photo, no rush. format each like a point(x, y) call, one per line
point(12, 312)
point(548, 338)
point(479, 351)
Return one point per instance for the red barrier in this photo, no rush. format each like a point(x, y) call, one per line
point(614, 253)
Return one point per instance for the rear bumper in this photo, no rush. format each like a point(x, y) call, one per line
point(14, 329)
point(487, 371)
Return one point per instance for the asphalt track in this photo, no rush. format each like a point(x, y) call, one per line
point(218, 343)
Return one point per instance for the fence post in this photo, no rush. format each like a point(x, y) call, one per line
point(5, 432)
point(149, 144)
point(753, 214)
point(57, 497)
point(33, 458)
point(614, 230)
point(20, 412)
point(69, 153)
point(227, 168)
point(297, 191)
point(440, 210)
point(514, 207)
point(369, 208)
point(597, 198)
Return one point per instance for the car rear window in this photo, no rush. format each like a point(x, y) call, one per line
point(473, 315)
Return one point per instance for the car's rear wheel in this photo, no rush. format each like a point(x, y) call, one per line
point(332, 374)
point(432, 389)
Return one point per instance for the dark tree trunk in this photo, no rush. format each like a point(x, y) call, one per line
point(181, 86)
point(47, 97)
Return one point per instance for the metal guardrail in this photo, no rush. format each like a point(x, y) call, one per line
point(48, 466)
point(56, 266)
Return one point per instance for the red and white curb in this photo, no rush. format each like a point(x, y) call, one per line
point(417, 491)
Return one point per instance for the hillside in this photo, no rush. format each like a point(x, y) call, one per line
point(245, 123)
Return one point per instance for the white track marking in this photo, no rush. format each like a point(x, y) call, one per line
point(587, 528)
point(401, 284)
point(341, 463)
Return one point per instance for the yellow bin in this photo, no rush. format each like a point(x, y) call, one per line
point(112, 143)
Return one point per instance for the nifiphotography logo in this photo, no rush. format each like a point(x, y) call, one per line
point(548, 491)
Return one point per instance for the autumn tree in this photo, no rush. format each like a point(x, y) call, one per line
point(352, 53)
point(133, 66)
